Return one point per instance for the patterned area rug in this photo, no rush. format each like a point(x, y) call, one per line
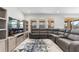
point(36, 45)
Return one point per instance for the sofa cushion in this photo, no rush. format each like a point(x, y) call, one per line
point(63, 44)
point(62, 36)
point(61, 33)
point(75, 31)
point(65, 34)
point(74, 37)
point(74, 46)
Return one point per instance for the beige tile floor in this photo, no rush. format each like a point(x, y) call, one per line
point(51, 46)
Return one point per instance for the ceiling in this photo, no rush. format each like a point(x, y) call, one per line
point(49, 10)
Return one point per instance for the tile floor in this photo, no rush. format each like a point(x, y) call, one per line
point(38, 45)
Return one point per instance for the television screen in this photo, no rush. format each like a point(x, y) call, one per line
point(75, 24)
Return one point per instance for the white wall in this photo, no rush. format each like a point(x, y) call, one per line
point(14, 12)
point(72, 15)
point(59, 21)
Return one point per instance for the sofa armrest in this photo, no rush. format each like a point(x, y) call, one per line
point(74, 46)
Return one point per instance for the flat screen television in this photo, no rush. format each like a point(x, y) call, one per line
point(75, 24)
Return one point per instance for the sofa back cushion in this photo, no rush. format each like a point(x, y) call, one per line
point(73, 37)
point(61, 33)
point(75, 31)
point(66, 34)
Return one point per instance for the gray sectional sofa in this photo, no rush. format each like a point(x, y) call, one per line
point(69, 41)
point(39, 34)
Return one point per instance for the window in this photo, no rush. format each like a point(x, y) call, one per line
point(75, 24)
point(21, 24)
point(34, 24)
point(13, 24)
point(42, 25)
